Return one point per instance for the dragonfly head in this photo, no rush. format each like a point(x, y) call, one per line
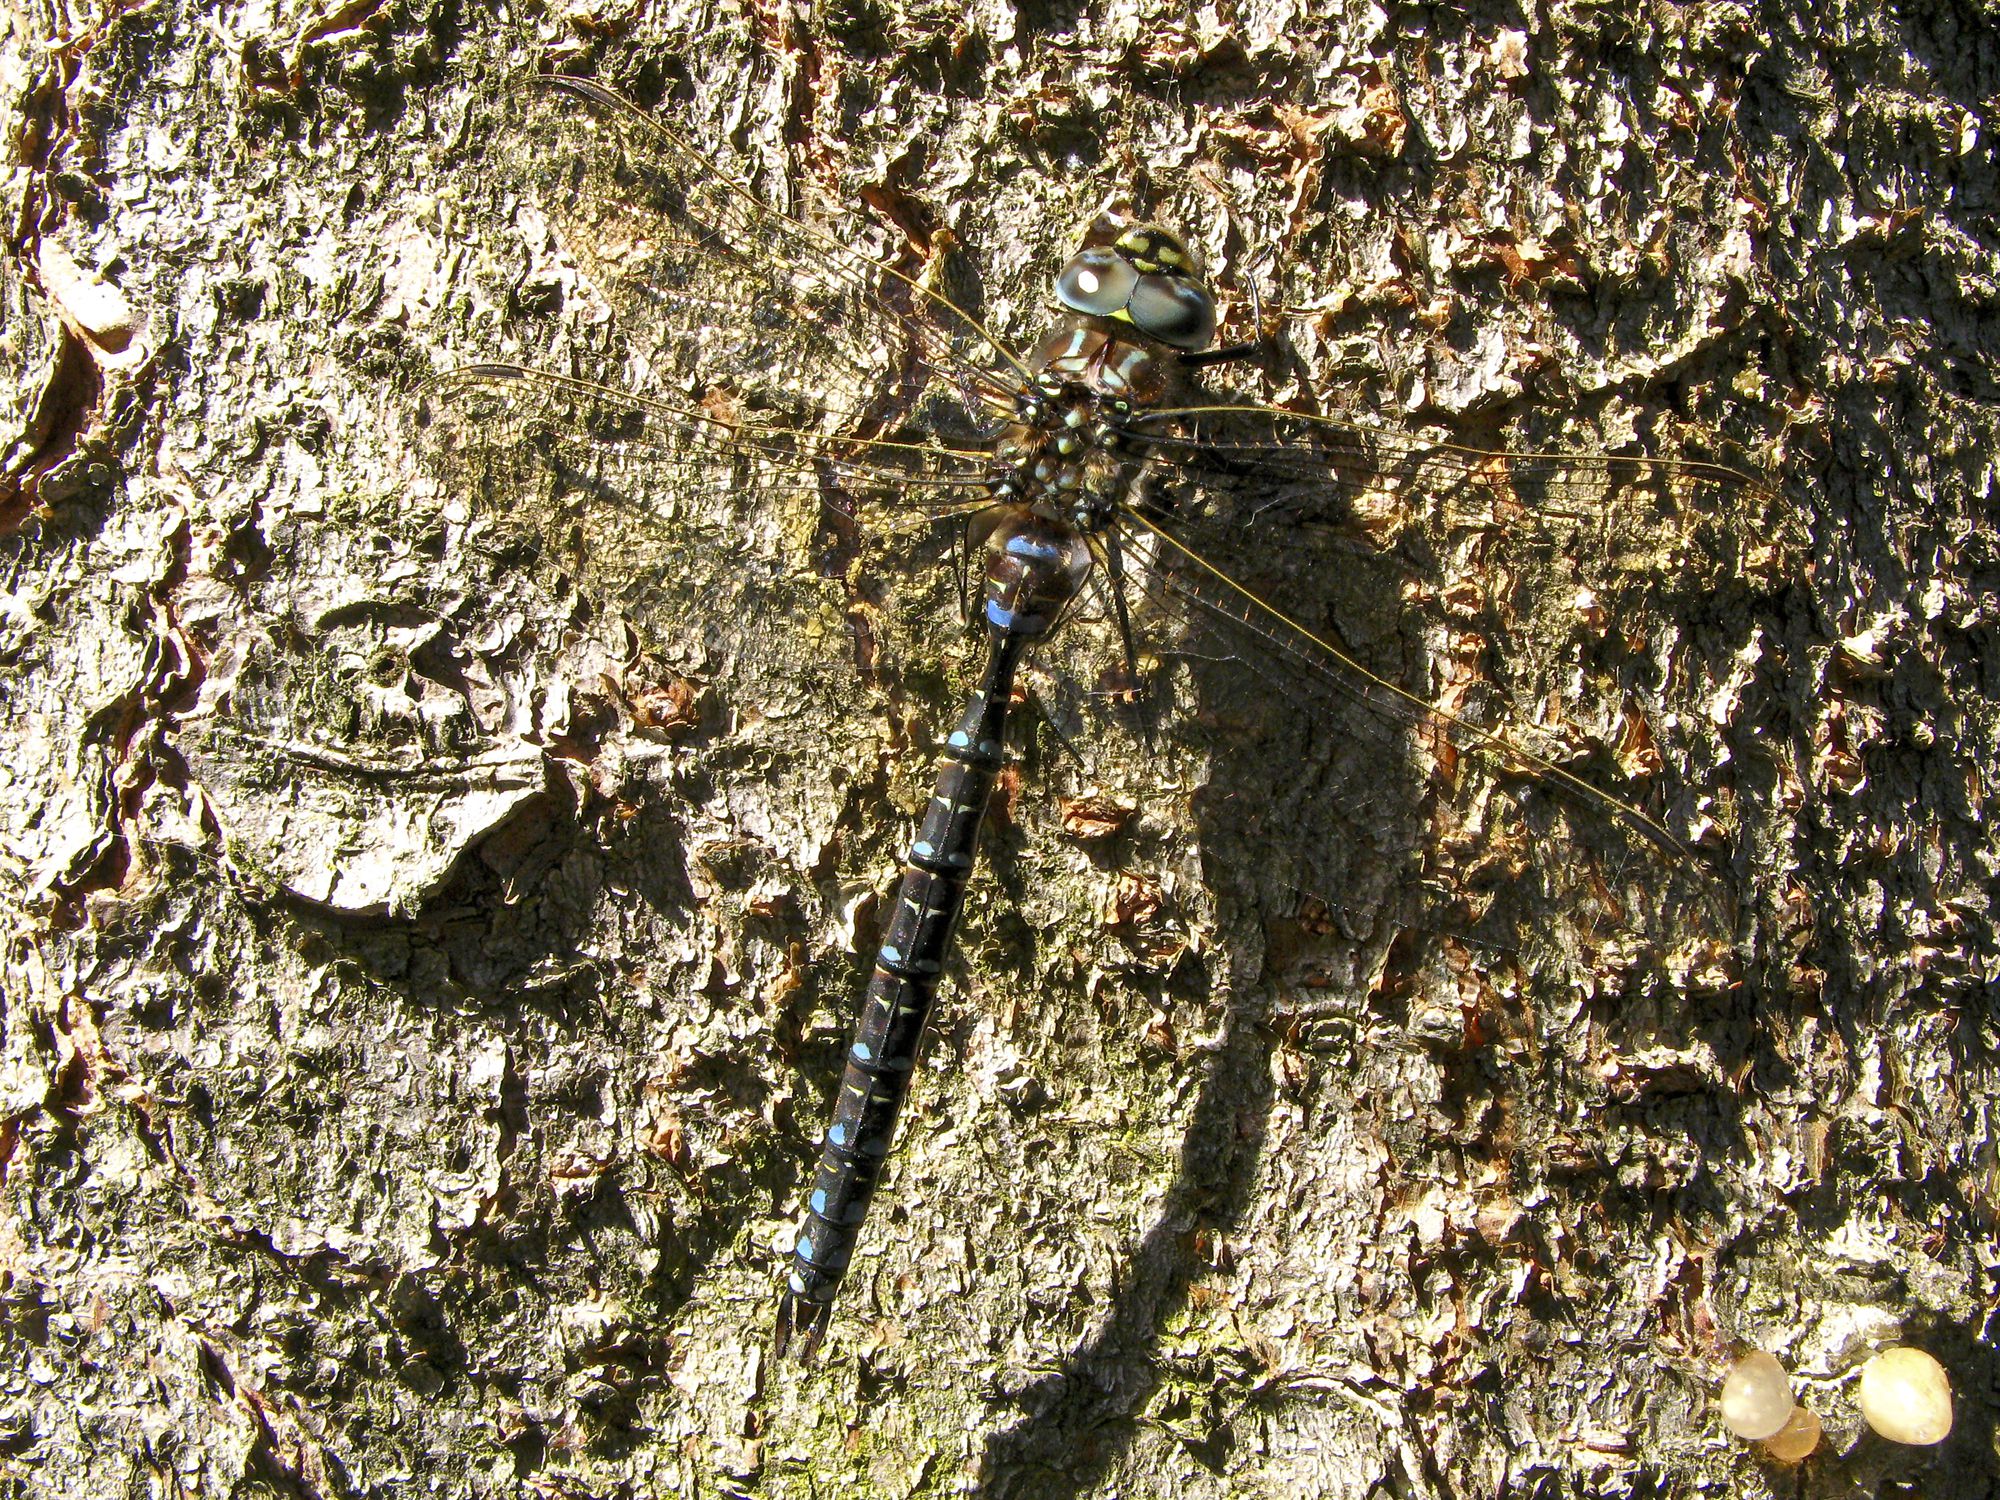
point(1144, 278)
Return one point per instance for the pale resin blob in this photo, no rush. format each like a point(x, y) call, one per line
point(1756, 1396)
point(1905, 1396)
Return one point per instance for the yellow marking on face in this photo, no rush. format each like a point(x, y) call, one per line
point(1151, 249)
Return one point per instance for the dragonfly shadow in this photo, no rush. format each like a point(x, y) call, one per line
point(1273, 879)
point(1319, 848)
point(1083, 1413)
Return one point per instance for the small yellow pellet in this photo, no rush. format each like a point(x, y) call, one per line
point(1906, 1397)
point(1797, 1438)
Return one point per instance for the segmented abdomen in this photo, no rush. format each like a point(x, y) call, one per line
point(893, 1015)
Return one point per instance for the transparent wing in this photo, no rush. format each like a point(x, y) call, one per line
point(767, 386)
point(1628, 514)
point(1560, 640)
point(697, 520)
point(1494, 808)
point(716, 284)
point(489, 414)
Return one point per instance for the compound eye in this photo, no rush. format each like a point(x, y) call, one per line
point(1098, 282)
point(1173, 310)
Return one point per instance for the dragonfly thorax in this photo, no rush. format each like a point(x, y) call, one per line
point(1064, 454)
point(1066, 451)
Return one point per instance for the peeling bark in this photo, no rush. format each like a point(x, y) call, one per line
point(424, 987)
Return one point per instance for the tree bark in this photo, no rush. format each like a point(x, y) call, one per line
point(427, 977)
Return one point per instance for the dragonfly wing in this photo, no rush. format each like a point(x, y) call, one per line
point(1586, 605)
point(716, 283)
point(1617, 515)
point(487, 415)
point(1534, 762)
point(691, 519)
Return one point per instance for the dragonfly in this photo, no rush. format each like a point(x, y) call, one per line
point(1094, 474)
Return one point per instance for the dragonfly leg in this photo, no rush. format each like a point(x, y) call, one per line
point(1115, 581)
point(1227, 354)
point(1046, 714)
point(979, 527)
point(961, 549)
point(1114, 572)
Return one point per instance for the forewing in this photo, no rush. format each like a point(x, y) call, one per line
point(1255, 466)
point(518, 416)
point(1554, 648)
point(764, 387)
point(718, 285)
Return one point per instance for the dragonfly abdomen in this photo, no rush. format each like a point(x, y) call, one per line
point(876, 1079)
point(1034, 568)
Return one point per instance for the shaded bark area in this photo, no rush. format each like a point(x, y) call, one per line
point(424, 986)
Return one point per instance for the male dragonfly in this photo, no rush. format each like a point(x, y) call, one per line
point(763, 359)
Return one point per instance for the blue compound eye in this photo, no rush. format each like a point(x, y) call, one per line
point(1173, 310)
point(1097, 281)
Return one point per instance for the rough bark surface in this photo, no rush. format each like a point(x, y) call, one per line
point(414, 1042)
